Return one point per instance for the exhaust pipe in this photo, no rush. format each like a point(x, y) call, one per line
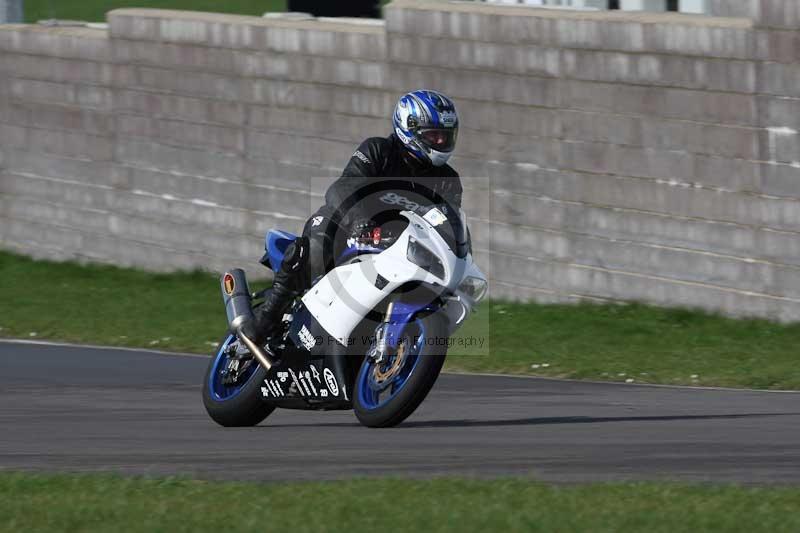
point(260, 354)
point(239, 309)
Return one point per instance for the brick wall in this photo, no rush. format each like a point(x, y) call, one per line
point(637, 156)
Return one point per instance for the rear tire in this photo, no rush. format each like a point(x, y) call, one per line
point(245, 408)
point(417, 385)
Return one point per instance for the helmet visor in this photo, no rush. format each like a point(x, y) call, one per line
point(441, 140)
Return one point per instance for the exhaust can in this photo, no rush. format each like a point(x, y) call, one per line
point(236, 295)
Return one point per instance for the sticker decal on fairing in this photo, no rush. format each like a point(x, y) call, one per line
point(300, 385)
point(272, 388)
point(307, 338)
point(307, 376)
point(310, 383)
point(435, 217)
point(330, 381)
point(305, 379)
point(296, 383)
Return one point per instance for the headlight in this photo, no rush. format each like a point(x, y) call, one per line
point(425, 259)
point(474, 288)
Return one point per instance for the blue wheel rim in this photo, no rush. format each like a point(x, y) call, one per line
point(218, 391)
point(369, 394)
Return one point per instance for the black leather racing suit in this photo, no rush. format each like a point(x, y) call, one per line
point(381, 179)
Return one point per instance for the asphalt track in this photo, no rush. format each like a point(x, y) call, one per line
point(88, 409)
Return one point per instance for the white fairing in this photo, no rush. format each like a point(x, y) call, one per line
point(342, 298)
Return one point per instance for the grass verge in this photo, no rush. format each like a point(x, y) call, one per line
point(183, 312)
point(110, 503)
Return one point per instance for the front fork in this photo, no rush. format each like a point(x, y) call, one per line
point(379, 351)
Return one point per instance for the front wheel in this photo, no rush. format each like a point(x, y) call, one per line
point(387, 393)
point(234, 403)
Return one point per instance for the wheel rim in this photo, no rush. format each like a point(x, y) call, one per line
point(218, 391)
point(379, 384)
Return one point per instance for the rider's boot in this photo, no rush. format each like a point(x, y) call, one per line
point(288, 282)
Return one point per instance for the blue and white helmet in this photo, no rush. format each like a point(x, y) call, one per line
point(427, 124)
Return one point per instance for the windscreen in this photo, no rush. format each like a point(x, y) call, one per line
point(450, 225)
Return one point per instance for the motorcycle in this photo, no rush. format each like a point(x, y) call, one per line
point(371, 335)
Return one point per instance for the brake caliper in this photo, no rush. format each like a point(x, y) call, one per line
point(378, 351)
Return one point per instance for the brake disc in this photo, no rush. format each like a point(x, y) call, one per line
point(381, 374)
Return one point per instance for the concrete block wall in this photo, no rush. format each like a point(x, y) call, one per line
point(631, 156)
point(176, 139)
point(649, 156)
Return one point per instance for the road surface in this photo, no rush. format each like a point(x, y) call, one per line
point(66, 408)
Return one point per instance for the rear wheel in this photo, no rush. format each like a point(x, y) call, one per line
point(234, 402)
point(387, 393)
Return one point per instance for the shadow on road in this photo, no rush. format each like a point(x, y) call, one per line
point(541, 421)
point(582, 420)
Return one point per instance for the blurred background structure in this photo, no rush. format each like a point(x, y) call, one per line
point(94, 10)
point(633, 156)
point(11, 11)
point(685, 6)
point(351, 8)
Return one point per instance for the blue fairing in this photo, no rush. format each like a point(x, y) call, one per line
point(402, 314)
point(275, 245)
point(404, 321)
point(353, 251)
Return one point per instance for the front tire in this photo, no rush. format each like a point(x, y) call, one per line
point(236, 406)
point(413, 381)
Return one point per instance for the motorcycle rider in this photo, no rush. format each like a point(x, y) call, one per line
point(415, 154)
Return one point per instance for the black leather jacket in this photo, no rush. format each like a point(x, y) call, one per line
point(383, 177)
